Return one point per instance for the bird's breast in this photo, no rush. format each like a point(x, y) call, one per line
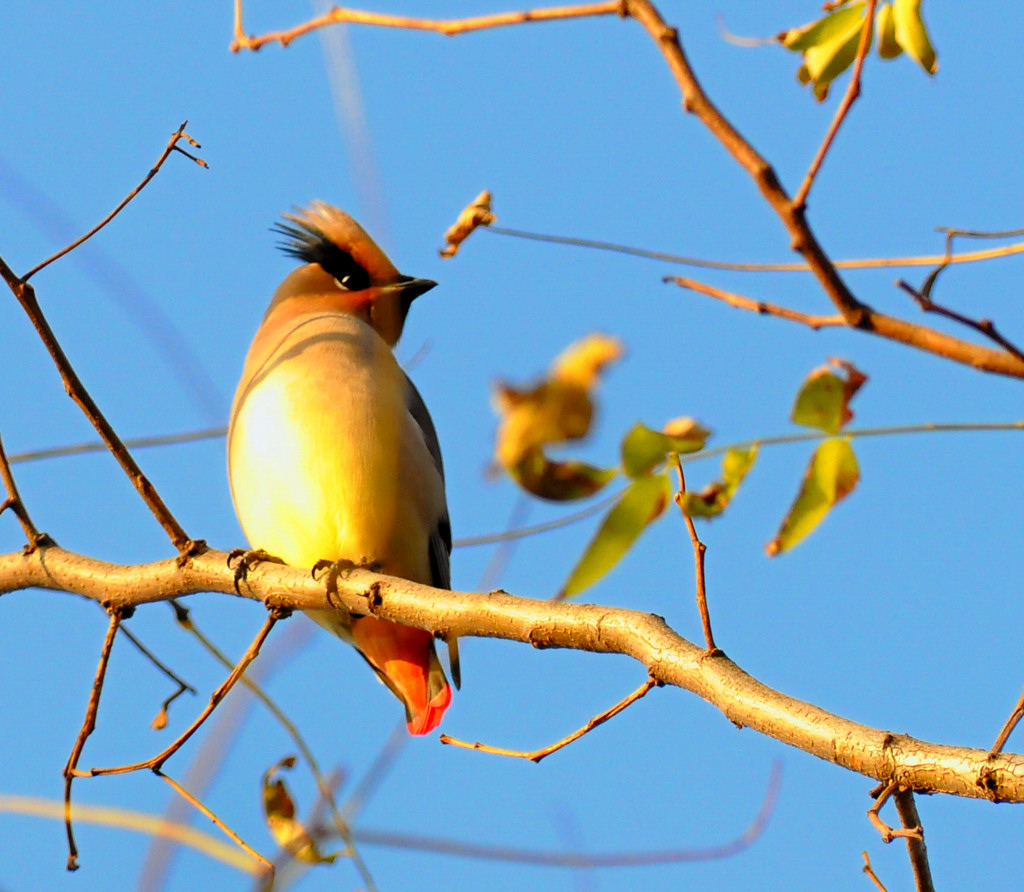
point(314, 445)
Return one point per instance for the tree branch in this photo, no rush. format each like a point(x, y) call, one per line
point(668, 657)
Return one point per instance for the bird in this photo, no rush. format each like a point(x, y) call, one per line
point(332, 454)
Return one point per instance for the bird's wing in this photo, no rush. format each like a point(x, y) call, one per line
point(441, 534)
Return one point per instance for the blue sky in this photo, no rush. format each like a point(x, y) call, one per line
point(902, 611)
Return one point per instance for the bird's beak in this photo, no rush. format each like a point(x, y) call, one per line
point(410, 288)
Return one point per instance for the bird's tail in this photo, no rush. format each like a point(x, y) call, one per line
point(405, 660)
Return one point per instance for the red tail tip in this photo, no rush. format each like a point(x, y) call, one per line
point(430, 717)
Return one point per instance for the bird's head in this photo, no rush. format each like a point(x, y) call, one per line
point(345, 269)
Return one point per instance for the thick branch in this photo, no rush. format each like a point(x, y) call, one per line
point(668, 658)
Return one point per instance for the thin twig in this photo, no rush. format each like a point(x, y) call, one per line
point(852, 92)
point(699, 548)
point(906, 807)
point(15, 503)
point(795, 266)
point(156, 762)
point(757, 306)
point(161, 717)
point(224, 828)
point(889, 833)
point(26, 296)
point(134, 821)
point(88, 726)
point(374, 776)
point(1008, 726)
point(172, 146)
point(208, 433)
point(537, 755)
point(326, 791)
point(871, 873)
point(570, 859)
point(983, 326)
point(448, 27)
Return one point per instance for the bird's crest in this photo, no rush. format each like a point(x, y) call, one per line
point(324, 235)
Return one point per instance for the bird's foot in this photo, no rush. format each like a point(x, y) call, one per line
point(247, 560)
point(332, 571)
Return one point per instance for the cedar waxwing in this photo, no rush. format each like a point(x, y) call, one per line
point(331, 451)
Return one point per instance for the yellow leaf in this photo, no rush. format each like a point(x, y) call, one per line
point(822, 30)
point(888, 47)
point(558, 481)
point(643, 501)
point(911, 34)
point(287, 830)
point(830, 477)
point(556, 409)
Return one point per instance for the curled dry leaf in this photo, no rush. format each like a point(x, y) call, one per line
point(477, 213)
point(557, 409)
point(287, 830)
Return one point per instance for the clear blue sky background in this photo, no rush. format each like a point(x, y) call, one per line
point(903, 611)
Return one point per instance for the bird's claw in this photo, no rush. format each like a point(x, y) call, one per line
point(247, 560)
point(332, 571)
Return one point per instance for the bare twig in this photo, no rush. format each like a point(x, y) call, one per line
point(134, 821)
point(224, 828)
point(888, 833)
point(756, 306)
point(852, 92)
point(699, 549)
point(341, 826)
point(26, 296)
point(14, 502)
point(795, 266)
point(983, 326)
point(88, 726)
point(1008, 726)
point(448, 27)
point(161, 717)
point(871, 873)
point(172, 146)
point(207, 433)
point(577, 860)
point(537, 755)
point(156, 762)
point(374, 776)
point(906, 807)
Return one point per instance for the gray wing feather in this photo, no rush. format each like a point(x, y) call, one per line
point(441, 536)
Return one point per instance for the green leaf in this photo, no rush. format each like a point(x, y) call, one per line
point(825, 62)
point(824, 398)
point(643, 449)
point(642, 502)
point(823, 30)
point(912, 35)
point(715, 497)
point(831, 475)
